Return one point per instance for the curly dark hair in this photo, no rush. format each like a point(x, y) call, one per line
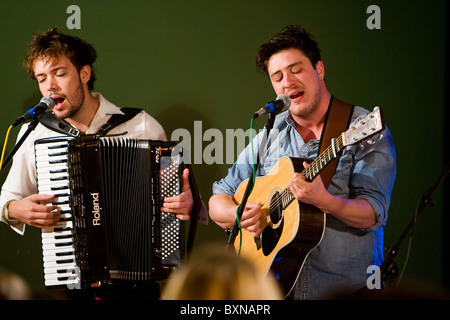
point(292, 36)
point(52, 44)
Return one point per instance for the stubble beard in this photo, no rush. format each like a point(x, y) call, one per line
point(311, 108)
point(76, 101)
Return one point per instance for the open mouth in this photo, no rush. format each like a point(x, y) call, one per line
point(296, 95)
point(58, 101)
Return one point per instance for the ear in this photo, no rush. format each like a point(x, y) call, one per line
point(85, 74)
point(320, 68)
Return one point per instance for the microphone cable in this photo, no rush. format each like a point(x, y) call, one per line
point(253, 184)
point(4, 147)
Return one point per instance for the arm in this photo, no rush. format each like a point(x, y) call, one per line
point(222, 210)
point(222, 207)
point(357, 213)
point(19, 184)
point(361, 193)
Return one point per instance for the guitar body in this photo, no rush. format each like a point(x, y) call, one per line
point(287, 235)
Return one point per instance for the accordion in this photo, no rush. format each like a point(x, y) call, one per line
point(110, 191)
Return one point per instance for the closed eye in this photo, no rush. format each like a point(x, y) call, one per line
point(277, 77)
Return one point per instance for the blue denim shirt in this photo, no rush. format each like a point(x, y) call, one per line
point(340, 261)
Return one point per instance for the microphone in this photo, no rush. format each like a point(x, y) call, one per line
point(282, 103)
point(45, 104)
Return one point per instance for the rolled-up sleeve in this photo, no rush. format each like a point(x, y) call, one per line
point(21, 179)
point(373, 175)
point(240, 171)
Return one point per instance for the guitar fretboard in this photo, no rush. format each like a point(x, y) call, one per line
point(286, 197)
point(323, 159)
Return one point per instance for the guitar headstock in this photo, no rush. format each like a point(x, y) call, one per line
point(364, 127)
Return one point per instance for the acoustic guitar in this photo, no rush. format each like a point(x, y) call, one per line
point(292, 229)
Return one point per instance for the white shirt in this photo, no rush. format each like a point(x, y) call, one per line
point(21, 180)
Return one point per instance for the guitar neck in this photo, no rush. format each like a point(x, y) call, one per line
point(362, 129)
point(314, 168)
point(324, 159)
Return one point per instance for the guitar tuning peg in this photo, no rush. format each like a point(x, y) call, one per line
point(380, 136)
point(375, 139)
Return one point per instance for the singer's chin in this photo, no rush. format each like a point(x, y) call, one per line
point(63, 114)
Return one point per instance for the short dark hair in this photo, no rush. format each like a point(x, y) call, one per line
point(52, 44)
point(292, 36)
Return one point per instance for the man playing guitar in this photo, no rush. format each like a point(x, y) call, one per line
point(356, 202)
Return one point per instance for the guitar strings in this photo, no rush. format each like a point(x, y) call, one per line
point(316, 166)
point(310, 173)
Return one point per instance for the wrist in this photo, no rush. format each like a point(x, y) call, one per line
point(6, 216)
point(332, 205)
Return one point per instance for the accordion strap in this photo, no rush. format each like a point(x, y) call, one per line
point(49, 120)
point(117, 119)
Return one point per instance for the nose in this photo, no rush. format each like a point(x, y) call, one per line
point(51, 84)
point(288, 80)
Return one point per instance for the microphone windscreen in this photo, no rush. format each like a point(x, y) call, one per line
point(49, 102)
point(286, 101)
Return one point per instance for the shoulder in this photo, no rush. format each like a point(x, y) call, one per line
point(359, 112)
point(150, 121)
point(143, 126)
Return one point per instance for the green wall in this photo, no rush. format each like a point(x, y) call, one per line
point(186, 61)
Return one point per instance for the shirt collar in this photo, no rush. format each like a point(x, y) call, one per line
point(289, 120)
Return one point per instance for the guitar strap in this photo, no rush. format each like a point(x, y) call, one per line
point(337, 120)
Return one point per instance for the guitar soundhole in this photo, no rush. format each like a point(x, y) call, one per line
point(276, 210)
point(271, 234)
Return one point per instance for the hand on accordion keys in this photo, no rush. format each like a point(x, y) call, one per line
point(35, 210)
point(183, 203)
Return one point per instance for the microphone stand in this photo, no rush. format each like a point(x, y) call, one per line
point(235, 229)
point(389, 269)
point(30, 128)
